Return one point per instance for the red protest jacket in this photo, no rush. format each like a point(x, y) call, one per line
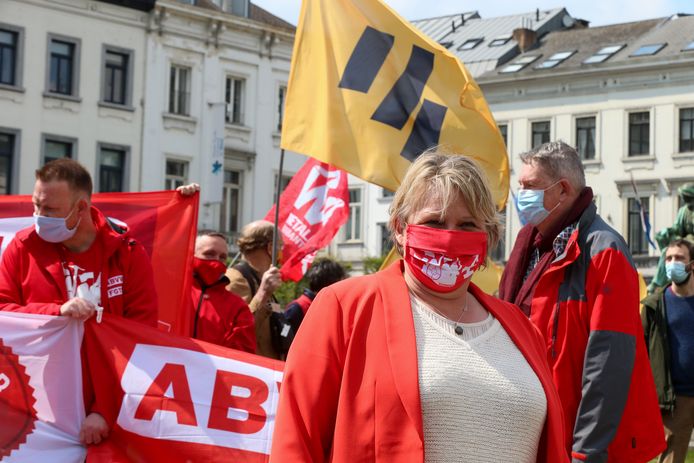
point(587, 307)
point(31, 275)
point(222, 317)
point(350, 391)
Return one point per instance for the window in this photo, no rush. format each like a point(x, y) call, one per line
point(603, 54)
point(117, 78)
point(179, 90)
point(353, 225)
point(686, 130)
point(639, 133)
point(647, 50)
point(231, 202)
point(234, 97)
point(469, 44)
point(55, 147)
point(555, 59)
point(689, 47)
point(240, 8)
point(386, 193)
point(540, 133)
point(280, 108)
point(386, 241)
point(286, 178)
point(176, 174)
point(503, 130)
point(499, 41)
point(112, 168)
point(637, 237)
point(585, 137)
point(7, 148)
point(63, 65)
point(9, 56)
point(519, 64)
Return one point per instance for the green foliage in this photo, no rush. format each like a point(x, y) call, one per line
point(290, 290)
point(372, 264)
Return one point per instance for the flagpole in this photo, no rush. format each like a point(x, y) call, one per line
point(278, 191)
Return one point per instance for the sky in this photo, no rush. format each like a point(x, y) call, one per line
point(597, 12)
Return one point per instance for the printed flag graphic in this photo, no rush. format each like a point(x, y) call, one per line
point(169, 398)
point(165, 222)
point(313, 207)
point(40, 389)
point(368, 93)
point(164, 397)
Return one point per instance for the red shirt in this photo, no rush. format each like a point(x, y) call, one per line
point(222, 317)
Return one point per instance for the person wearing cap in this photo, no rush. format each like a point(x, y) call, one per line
point(255, 279)
point(682, 228)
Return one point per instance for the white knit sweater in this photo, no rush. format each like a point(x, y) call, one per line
point(481, 401)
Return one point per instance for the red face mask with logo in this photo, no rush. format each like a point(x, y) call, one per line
point(209, 271)
point(443, 260)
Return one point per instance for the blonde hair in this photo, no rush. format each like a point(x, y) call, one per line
point(450, 177)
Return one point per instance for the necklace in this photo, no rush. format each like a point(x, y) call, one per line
point(458, 325)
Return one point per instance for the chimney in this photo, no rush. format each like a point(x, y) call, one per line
point(462, 19)
point(453, 25)
point(537, 15)
point(525, 37)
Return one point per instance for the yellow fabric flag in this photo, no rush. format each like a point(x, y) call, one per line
point(368, 93)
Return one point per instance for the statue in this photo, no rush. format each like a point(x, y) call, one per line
point(682, 228)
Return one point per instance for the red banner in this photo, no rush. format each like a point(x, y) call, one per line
point(169, 398)
point(313, 207)
point(164, 222)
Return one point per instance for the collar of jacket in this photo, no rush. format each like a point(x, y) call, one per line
point(48, 257)
point(572, 249)
point(401, 340)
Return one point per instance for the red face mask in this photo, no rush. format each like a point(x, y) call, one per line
point(209, 271)
point(443, 260)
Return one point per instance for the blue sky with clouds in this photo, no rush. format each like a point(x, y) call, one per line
point(597, 12)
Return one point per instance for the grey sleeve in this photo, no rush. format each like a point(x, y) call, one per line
point(607, 369)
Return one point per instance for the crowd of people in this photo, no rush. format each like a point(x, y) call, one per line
point(414, 362)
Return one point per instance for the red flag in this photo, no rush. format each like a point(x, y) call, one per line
point(313, 207)
point(168, 398)
point(165, 222)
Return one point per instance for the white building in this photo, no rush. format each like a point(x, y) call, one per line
point(200, 60)
point(624, 96)
point(131, 93)
point(71, 84)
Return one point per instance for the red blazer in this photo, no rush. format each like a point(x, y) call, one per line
point(31, 275)
point(351, 392)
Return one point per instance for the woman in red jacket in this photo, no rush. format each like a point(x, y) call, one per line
point(415, 363)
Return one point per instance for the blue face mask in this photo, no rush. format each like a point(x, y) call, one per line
point(531, 206)
point(676, 272)
point(54, 229)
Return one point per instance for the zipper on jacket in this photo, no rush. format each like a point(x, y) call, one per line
point(197, 312)
point(555, 328)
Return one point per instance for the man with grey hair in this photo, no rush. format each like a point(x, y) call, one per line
point(573, 275)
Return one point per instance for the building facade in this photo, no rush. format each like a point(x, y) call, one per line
point(623, 95)
point(71, 85)
point(134, 93)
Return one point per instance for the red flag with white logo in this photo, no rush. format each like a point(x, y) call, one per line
point(40, 423)
point(164, 222)
point(313, 207)
point(169, 398)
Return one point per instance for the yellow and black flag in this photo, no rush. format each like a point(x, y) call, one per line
point(368, 93)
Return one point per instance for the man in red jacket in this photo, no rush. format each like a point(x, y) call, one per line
point(221, 317)
point(75, 262)
point(574, 276)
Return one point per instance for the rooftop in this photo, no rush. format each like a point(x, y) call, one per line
point(482, 44)
point(606, 46)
